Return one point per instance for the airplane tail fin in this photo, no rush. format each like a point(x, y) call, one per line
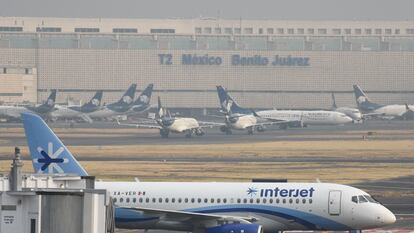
point(50, 102)
point(334, 106)
point(96, 99)
point(360, 97)
point(129, 95)
point(227, 104)
point(145, 97)
point(48, 153)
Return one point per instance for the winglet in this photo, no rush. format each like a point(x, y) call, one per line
point(48, 153)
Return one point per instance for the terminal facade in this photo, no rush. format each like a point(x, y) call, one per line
point(263, 63)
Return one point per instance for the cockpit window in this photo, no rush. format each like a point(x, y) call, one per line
point(362, 199)
point(355, 199)
point(370, 199)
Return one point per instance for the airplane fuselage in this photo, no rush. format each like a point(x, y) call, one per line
point(394, 110)
point(184, 124)
point(243, 122)
point(307, 117)
point(276, 206)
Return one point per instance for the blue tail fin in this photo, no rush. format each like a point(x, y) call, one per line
point(48, 106)
point(145, 97)
point(228, 104)
point(363, 101)
point(48, 153)
point(96, 99)
point(129, 95)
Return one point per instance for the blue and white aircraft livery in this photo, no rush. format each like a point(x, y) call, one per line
point(14, 112)
point(369, 108)
point(142, 103)
point(217, 207)
point(118, 108)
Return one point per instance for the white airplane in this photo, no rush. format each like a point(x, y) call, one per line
point(285, 118)
point(118, 108)
point(70, 112)
point(14, 112)
point(168, 124)
point(353, 113)
point(217, 207)
point(369, 108)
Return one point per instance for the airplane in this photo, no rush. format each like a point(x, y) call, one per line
point(239, 118)
point(216, 207)
point(68, 112)
point(168, 124)
point(118, 108)
point(142, 103)
point(368, 108)
point(353, 113)
point(286, 118)
point(14, 112)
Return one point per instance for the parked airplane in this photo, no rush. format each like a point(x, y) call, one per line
point(353, 113)
point(295, 118)
point(70, 112)
point(167, 123)
point(14, 112)
point(369, 108)
point(118, 108)
point(239, 118)
point(217, 207)
point(142, 103)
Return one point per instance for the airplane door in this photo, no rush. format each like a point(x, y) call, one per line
point(334, 205)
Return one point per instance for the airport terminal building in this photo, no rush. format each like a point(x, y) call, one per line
point(263, 63)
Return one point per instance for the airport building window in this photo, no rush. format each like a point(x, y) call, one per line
point(228, 30)
point(322, 31)
point(301, 31)
point(368, 31)
point(378, 31)
point(162, 30)
point(409, 30)
point(270, 31)
point(397, 31)
point(125, 30)
point(248, 31)
point(358, 31)
point(388, 31)
point(207, 30)
point(260, 30)
point(4, 70)
point(237, 30)
point(127, 200)
point(197, 30)
point(86, 29)
point(217, 30)
point(48, 29)
point(11, 29)
point(311, 31)
point(290, 31)
point(336, 31)
point(280, 31)
point(347, 31)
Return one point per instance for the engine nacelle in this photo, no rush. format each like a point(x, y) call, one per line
point(260, 128)
point(199, 132)
point(235, 228)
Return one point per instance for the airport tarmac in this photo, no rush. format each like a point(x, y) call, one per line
point(401, 202)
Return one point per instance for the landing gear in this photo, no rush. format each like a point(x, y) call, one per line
point(189, 133)
point(250, 131)
point(199, 132)
point(260, 128)
point(164, 133)
point(225, 129)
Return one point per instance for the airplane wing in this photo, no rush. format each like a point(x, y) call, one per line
point(192, 217)
point(141, 126)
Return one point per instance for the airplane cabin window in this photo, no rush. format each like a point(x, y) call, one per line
point(264, 200)
point(271, 200)
point(290, 201)
point(186, 200)
point(244, 200)
point(115, 200)
point(140, 200)
point(218, 200)
point(199, 200)
point(147, 200)
point(310, 201)
point(238, 200)
point(160, 200)
point(304, 201)
point(212, 200)
point(121, 199)
point(257, 200)
point(134, 200)
point(154, 200)
point(166, 200)
point(173, 200)
point(277, 201)
point(284, 201)
point(179, 200)
point(251, 200)
point(192, 200)
point(297, 201)
point(224, 200)
point(354, 199)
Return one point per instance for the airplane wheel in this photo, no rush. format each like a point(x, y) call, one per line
point(229, 132)
point(164, 133)
point(250, 131)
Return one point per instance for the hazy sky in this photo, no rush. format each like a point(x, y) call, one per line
point(252, 9)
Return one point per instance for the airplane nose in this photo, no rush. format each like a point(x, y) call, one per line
point(387, 217)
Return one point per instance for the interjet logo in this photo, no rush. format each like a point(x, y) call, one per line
point(50, 160)
point(252, 192)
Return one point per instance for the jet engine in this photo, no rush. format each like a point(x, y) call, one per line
point(199, 132)
point(260, 128)
point(235, 228)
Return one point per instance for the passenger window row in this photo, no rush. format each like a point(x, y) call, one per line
point(212, 200)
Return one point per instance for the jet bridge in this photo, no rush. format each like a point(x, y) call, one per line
point(46, 203)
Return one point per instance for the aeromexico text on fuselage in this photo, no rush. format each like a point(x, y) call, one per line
point(236, 60)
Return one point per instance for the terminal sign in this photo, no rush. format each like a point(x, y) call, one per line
point(237, 60)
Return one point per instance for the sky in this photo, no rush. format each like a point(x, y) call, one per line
point(229, 9)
